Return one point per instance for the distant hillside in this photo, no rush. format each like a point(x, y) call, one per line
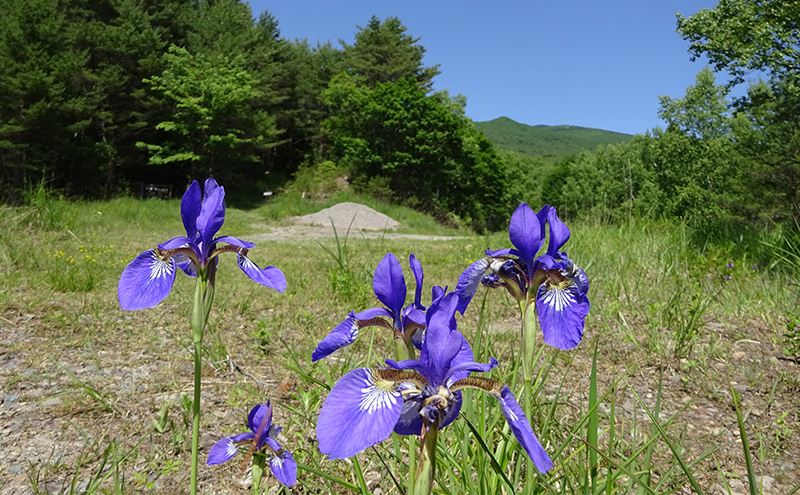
point(546, 140)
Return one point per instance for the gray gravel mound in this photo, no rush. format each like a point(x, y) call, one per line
point(342, 214)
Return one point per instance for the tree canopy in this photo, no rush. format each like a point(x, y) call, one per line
point(100, 97)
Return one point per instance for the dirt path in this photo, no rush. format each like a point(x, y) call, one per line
point(356, 221)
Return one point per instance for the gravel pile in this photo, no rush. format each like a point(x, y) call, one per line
point(342, 214)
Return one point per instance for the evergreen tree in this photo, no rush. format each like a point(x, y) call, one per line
point(383, 52)
point(42, 113)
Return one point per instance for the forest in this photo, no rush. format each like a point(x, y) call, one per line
point(101, 97)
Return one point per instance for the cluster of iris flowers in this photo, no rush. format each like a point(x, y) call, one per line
point(410, 395)
point(416, 396)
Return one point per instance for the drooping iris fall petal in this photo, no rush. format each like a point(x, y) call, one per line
point(562, 310)
point(146, 281)
point(225, 449)
point(522, 430)
point(284, 467)
point(360, 411)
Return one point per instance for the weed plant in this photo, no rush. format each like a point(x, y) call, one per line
point(623, 413)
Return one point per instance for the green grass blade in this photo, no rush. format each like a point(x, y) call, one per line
point(329, 477)
point(621, 466)
point(362, 483)
point(591, 433)
point(495, 465)
point(751, 475)
point(689, 475)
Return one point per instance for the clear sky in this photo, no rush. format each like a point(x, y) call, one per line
point(590, 63)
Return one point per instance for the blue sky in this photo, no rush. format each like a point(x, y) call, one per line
point(582, 62)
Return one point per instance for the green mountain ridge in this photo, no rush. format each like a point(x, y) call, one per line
point(546, 140)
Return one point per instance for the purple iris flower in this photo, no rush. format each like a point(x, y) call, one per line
point(550, 280)
point(262, 435)
point(390, 288)
point(148, 279)
point(416, 396)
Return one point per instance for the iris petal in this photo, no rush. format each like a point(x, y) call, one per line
point(269, 277)
point(360, 411)
point(225, 449)
point(235, 241)
point(559, 232)
point(259, 414)
point(469, 281)
point(389, 284)
point(416, 269)
point(191, 204)
point(494, 253)
point(442, 343)
point(524, 230)
point(284, 467)
point(146, 281)
point(561, 311)
point(212, 213)
point(522, 430)
point(175, 242)
point(343, 334)
point(370, 313)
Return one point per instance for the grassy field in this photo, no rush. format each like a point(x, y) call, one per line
point(98, 399)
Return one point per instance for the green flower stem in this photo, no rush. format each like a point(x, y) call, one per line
point(198, 347)
point(400, 349)
point(259, 466)
point(410, 349)
point(530, 328)
point(423, 485)
point(412, 463)
point(203, 297)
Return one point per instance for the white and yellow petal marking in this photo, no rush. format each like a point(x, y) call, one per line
point(247, 263)
point(378, 394)
point(160, 267)
point(230, 448)
point(558, 297)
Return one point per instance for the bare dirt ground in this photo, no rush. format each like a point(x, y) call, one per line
point(48, 420)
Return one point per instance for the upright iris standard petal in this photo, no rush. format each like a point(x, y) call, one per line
point(416, 269)
point(524, 230)
point(225, 449)
point(191, 204)
point(212, 213)
point(562, 309)
point(146, 281)
point(469, 281)
point(260, 421)
point(522, 430)
point(442, 342)
point(268, 277)
point(559, 232)
point(389, 284)
point(360, 411)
